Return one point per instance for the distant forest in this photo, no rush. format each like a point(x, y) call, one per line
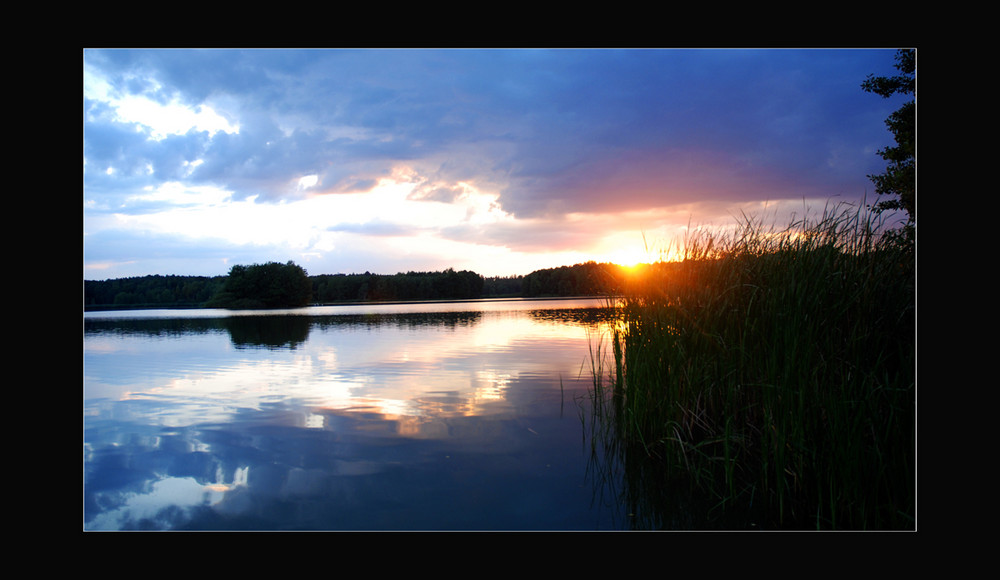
point(588, 279)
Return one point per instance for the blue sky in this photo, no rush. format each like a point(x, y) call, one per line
point(497, 161)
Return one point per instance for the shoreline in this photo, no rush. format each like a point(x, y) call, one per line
point(352, 303)
point(451, 300)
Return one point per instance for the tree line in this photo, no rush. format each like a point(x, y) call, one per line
point(446, 285)
point(276, 285)
point(587, 279)
point(151, 291)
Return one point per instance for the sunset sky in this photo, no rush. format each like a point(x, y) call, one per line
point(496, 161)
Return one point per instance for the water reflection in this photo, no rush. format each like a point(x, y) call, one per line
point(267, 331)
point(414, 419)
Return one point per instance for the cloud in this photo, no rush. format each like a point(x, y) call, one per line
point(537, 134)
point(537, 124)
point(376, 228)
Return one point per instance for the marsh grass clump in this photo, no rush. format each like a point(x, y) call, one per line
point(774, 372)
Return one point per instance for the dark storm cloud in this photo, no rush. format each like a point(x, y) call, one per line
point(662, 127)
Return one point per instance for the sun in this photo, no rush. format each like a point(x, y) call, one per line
point(632, 268)
point(629, 258)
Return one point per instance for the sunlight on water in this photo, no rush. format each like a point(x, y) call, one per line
point(384, 367)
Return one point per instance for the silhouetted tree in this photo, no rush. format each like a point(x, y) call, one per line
point(270, 285)
point(900, 179)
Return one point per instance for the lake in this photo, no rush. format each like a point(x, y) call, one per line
point(438, 416)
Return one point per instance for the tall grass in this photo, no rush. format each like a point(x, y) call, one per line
point(772, 372)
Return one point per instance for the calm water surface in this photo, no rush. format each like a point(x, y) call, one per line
point(451, 416)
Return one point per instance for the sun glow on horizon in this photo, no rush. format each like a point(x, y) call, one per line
point(386, 229)
point(630, 260)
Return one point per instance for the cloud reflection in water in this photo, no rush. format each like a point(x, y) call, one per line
point(196, 430)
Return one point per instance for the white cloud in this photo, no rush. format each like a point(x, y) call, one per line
point(310, 227)
point(160, 119)
point(308, 182)
point(173, 118)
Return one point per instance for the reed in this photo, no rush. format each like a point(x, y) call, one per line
point(773, 371)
